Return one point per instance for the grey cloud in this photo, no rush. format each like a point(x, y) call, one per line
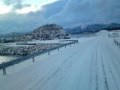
point(66, 13)
point(88, 12)
point(17, 4)
point(20, 6)
point(54, 8)
point(9, 2)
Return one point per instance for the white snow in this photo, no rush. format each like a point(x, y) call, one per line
point(46, 41)
point(38, 42)
point(7, 58)
point(93, 64)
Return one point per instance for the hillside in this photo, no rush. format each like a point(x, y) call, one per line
point(93, 28)
point(45, 32)
point(49, 31)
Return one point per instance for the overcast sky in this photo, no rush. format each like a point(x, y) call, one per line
point(26, 15)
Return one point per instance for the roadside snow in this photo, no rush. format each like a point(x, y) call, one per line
point(45, 41)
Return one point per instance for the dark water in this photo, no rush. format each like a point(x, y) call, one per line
point(7, 58)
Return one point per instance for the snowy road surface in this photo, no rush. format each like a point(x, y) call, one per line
point(93, 64)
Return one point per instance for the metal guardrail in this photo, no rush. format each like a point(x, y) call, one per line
point(4, 65)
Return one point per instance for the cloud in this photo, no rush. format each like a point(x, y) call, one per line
point(9, 2)
point(54, 8)
point(19, 23)
point(88, 12)
point(67, 13)
point(17, 4)
point(20, 6)
point(27, 22)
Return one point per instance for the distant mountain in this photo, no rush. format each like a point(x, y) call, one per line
point(93, 28)
point(74, 30)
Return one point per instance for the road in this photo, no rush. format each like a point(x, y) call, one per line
point(93, 64)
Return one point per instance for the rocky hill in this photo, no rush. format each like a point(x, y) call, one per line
point(45, 32)
point(49, 31)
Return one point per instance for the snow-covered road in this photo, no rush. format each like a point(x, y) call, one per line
point(93, 64)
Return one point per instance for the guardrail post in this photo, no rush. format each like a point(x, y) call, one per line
point(117, 43)
point(74, 43)
point(48, 52)
point(58, 49)
point(4, 69)
point(77, 42)
point(114, 41)
point(33, 58)
point(65, 46)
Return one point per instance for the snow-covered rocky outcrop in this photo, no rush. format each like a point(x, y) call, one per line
point(45, 32)
point(24, 50)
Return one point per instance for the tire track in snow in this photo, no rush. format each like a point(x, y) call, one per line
point(101, 43)
point(53, 74)
point(91, 74)
point(106, 56)
point(96, 66)
point(93, 82)
point(63, 65)
point(105, 77)
point(80, 81)
point(115, 64)
point(96, 70)
point(110, 70)
point(113, 76)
